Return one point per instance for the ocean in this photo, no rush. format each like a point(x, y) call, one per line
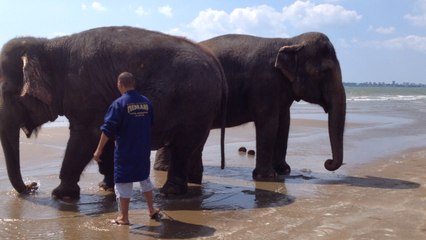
point(394, 116)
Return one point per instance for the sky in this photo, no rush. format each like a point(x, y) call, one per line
point(375, 40)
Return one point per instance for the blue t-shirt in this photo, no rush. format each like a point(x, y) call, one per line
point(128, 121)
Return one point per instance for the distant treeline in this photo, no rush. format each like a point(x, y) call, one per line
point(383, 84)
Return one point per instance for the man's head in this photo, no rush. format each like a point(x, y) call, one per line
point(125, 82)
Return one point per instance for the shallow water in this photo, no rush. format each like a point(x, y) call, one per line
point(229, 204)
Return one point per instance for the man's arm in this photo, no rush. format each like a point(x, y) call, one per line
point(102, 141)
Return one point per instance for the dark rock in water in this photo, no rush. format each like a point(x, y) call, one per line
point(242, 149)
point(251, 152)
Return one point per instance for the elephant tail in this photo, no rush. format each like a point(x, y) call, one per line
point(223, 114)
point(223, 105)
point(222, 142)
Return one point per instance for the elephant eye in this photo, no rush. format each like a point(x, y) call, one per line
point(327, 64)
point(312, 69)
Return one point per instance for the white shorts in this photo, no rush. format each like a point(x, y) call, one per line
point(124, 190)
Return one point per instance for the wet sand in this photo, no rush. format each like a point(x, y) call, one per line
point(380, 198)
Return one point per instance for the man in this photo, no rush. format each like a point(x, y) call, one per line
point(128, 121)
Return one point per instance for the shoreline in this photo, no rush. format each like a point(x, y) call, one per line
point(54, 138)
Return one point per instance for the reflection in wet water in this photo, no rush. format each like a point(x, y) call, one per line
point(213, 196)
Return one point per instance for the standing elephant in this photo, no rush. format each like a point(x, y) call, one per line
point(265, 76)
point(75, 76)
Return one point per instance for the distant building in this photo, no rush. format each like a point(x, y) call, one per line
point(383, 84)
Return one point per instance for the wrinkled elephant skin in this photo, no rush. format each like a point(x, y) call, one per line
point(265, 76)
point(75, 76)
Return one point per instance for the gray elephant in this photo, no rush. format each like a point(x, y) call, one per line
point(265, 76)
point(75, 76)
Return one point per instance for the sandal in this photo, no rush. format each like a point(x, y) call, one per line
point(156, 216)
point(119, 222)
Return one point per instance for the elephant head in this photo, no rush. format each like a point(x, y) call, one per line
point(25, 100)
point(311, 65)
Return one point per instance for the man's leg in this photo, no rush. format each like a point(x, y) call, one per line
point(150, 202)
point(124, 210)
point(123, 192)
point(147, 187)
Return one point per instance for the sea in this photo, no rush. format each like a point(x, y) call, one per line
point(395, 117)
point(380, 122)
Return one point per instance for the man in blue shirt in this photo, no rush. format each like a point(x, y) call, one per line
point(128, 121)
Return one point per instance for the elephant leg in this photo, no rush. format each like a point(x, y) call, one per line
point(106, 167)
point(177, 178)
point(162, 158)
point(195, 172)
point(280, 151)
point(78, 154)
point(266, 132)
point(183, 147)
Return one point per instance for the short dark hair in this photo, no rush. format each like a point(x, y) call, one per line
point(126, 79)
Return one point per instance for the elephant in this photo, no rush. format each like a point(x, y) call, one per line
point(265, 76)
point(75, 76)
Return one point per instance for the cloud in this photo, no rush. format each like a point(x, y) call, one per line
point(166, 11)
point(382, 30)
point(97, 6)
point(59, 34)
point(264, 20)
point(178, 32)
point(141, 11)
point(241, 20)
point(385, 30)
point(412, 42)
point(419, 17)
point(306, 14)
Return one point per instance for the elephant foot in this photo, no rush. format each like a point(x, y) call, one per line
point(195, 178)
point(282, 169)
point(176, 187)
point(266, 175)
point(107, 184)
point(66, 191)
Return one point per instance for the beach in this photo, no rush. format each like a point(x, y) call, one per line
point(379, 192)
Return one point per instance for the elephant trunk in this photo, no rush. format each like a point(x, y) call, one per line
point(336, 127)
point(9, 136)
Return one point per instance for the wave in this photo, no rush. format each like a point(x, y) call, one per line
point(385, 94)
point(387, 98)
point(379, 98)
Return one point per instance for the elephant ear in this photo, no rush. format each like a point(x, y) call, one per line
point(291, 49)
point(34, 83)
point(287, 61)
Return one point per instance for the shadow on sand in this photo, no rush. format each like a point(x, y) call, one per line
point(173, 229)
point(355, 181)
